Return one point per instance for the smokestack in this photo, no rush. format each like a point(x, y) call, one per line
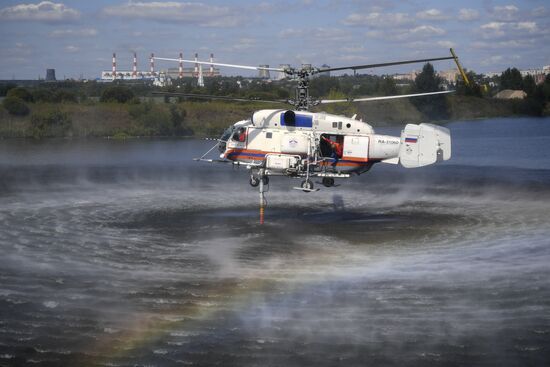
point(181, 65)
point(196, 65)
point(211, 66)
point(152, 64)
point(114, 65)
point(134, 69)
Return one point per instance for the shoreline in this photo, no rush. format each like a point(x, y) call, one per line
point(209, 119)
point(212, 138)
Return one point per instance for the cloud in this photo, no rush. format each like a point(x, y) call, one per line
point(500, 60)
point(378, 20)
point(84, 32)
point(244, 43)
point(446, 44)
point(432, 14)
point(72, 49)
point(427, 30)
point(317, 34)
point(468, 15)
point(494, 30)
point(408, 34)
point(45, 11)
point(182, 12)
point(505, 13)
point(506, 44)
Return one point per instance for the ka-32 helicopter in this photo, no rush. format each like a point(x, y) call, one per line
point(302, 144)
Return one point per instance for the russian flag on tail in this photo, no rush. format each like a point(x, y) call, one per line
point(411, 140)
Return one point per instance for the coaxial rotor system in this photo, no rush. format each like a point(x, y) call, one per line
point(302, 100)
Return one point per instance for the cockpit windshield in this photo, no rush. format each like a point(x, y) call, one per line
point(225, 137)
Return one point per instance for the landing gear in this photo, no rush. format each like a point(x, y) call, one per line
point(254, 181)
point(328, 181)
point(307, 185)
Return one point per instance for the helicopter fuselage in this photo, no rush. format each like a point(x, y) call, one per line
point(286, 142)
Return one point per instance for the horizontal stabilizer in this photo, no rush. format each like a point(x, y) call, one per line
point(424, 144)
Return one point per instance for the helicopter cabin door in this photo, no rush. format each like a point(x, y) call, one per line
point(356, 148)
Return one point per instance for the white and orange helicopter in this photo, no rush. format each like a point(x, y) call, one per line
point(302, 144)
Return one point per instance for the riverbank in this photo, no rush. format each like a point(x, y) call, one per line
point(207, 119)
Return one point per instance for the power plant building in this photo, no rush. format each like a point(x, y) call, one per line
point(50, 75)
point(152, 74)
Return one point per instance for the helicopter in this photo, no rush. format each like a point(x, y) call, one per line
point(301, 144)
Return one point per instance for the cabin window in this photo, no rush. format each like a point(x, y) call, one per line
point(334, 124)
point(340, 125)
point(268, 135)
point(348, 125)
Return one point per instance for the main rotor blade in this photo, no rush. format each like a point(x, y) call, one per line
point(225, 98)
point(368, 66)
point(220, 64)
point(324, 101)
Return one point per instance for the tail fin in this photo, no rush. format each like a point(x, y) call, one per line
point(424, 144)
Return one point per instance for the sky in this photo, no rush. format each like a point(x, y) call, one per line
point(77, 38)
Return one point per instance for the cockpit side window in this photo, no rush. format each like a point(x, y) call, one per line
point(239, 134)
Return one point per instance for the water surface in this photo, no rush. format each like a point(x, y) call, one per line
point(129, 253)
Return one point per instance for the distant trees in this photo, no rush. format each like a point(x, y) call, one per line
point(156, 120)
point(5, 88)
point(511, 79)
point(427, 80)
point(117, 93)
point(434, 107)
point(15, 106)
point(52, 123)
point(21, 93)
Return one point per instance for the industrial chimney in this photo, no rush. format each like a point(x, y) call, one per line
point(152, 64)
point(114, 66)
point(134, 68)
point(211, 66)
point(196, 65)
point(181, 65)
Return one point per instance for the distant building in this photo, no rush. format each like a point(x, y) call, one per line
point(511, 94)
point(407, 76)
point(174, 73)
point(450, 76)
point(283, 75)
point(538, 74)
point(324, 73)
point(264, 74)
point(50, 75)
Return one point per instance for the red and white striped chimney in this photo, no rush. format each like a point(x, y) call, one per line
point(196, 65)
point(152, 64)
point(134, 68)
point(114, 65)
point(181, 65)
point(211, 66)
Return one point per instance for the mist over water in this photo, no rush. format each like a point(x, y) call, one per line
point(118, 253)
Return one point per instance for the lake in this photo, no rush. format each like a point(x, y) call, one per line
point(118, 253)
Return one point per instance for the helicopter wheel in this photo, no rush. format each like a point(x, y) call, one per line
point(308, 185)
point(265, 179)
point(328, 181)
point(254, 181)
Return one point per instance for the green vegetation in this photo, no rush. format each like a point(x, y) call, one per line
point(118, 94)
point(123, 110)
point(15, 106)
point(50, 124)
